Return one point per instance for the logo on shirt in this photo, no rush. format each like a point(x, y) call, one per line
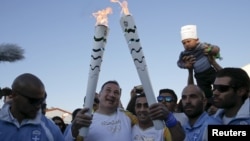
point(143, 138)
point(113, 126)
point(36, 135)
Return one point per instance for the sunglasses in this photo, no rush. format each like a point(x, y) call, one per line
point(222, 88)
point(165, 98)
point(33, 101)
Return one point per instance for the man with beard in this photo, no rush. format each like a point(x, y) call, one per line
point(22, 119)
point(230, 94)
point(144, 130)
point(194, 102)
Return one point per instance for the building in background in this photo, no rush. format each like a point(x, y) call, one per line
point(65, 115)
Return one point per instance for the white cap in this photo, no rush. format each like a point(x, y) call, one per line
point(188, 32)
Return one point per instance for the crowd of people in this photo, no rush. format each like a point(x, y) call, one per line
point(220, 97)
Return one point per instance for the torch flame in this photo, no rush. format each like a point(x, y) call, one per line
point(124, 6)
point(102, 16)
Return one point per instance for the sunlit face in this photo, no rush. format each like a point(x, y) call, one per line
point(190, 44)
point(170, 105)
point(109, 96)
point(223, 93)
point(193, 102)
point(142, 110)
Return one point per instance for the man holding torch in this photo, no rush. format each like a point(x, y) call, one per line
point(129, 29)
point(109, 122)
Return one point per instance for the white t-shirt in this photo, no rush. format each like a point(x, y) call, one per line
point(115, 127)
point(149, 134)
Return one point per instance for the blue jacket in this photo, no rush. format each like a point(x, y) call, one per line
point(242, 117)
point(38, 129)
point(198, 132)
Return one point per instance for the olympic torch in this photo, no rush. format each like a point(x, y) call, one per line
point(100, 38)
point(130, 32)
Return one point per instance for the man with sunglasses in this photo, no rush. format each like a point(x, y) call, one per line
point(169, 98)
point(230, 95)
point(175, 120)
point(22, 119)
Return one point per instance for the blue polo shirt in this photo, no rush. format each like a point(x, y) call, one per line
point(198, 132)
point(38, 129)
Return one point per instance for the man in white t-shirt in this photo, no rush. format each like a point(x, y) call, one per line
point(109, 122)
point(144, 130)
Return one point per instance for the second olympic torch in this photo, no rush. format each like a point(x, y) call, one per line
point(100, 38)
point(130, 32)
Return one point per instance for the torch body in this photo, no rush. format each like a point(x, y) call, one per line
point(130, 32)
point(100, 37)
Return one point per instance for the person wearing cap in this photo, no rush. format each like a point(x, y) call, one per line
point(197, 57)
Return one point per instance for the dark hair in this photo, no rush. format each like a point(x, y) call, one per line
point(131, 104)
point(5, 92)
point(62, 121)
point(57, 118)
point(169, 91)
point(239, 78)
point(110, 81)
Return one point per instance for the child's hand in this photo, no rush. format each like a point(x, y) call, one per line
point(207, 50)
point(189, 61)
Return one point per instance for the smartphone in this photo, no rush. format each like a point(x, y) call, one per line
point(138, 89)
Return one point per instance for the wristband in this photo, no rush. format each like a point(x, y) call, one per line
point(171, 120)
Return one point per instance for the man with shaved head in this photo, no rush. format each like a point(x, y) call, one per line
point(22, 119)
point(194, 102)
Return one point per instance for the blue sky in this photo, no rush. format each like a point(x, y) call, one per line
point(57, 37)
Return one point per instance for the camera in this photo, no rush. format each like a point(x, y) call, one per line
point(139, 89)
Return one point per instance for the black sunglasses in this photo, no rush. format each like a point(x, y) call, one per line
point(165, 98)
point(32, 101)
point(222, 88)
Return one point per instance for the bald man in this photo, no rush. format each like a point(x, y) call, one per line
point(22, 119)
point(194, 102)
